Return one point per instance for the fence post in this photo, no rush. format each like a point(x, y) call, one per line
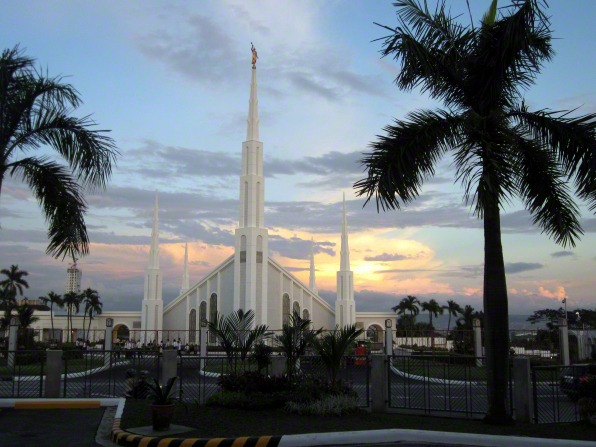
point(169, 365)
point(203, 345)
point(107, 346)
point(523, 395)
point(12, 342)
point(379, 383)
point(388, 341)
point(53, 371)
point(564, 341)
point(477, 341)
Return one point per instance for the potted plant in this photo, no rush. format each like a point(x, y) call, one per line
point(162, 408)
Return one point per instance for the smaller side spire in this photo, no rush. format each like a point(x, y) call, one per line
point(345, 250)
point(185, 280)
point(312, 280)
point(154, 251)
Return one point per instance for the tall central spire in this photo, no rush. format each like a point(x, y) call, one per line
point(154, 252)
point(345, 250)
point(251, 237)
point(252, 130)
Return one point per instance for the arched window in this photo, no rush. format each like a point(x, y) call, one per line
point(305, 314)
point(192, 326)
point(213, 315)
point(296, 308)
point(203, 312)
point(285, 310)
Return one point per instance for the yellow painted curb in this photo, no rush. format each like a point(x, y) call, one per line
point(122, 437)
point(55, 405)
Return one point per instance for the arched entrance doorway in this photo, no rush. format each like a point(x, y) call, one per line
point(120, 333)
point(375, 333)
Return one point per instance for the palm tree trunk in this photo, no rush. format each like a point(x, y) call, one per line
point(84, 318)
point(496, 325)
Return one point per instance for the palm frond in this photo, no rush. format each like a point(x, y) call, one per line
point(62, 203)
point(401, 161)
point(430, 48)
point(544, 190)
point(572, 140)
point(508, 55)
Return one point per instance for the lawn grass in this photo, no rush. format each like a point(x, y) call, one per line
point(219, 422)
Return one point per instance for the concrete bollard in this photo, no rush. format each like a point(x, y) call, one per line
point(278, 365)
point(53, 372)
point(523, 397)
point(169, 365)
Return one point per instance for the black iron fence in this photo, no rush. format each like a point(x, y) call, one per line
point(22, 374)
point(438, 384)
point(556, 391)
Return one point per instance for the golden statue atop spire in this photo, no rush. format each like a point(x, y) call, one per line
point(254, 55)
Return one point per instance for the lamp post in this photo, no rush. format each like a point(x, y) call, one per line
point(565, 303)
point(203, 342)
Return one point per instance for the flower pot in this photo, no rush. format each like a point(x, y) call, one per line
point(162, 416)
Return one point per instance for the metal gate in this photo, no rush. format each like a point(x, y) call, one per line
point(22, 374)
point(439, 384)
point(556, 390)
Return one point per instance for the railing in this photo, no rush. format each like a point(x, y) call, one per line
point(22, 374)
point(556, 392)
point(438, 384)
point(106, 373)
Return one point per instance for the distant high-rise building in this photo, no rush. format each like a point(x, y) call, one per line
point(73, 279)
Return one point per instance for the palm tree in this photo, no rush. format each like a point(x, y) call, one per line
point(408, 304)
point(452, 309)
point(35, 112)
point(88, 296)
point(500, 148)
point(25, 315)
point(14, 283)
point(333, 346)
point(433, 308)
point(52, 299)
point(295, 337)
point(94, 307)
point(236, 334)
point(72, 302)
point(466, 321)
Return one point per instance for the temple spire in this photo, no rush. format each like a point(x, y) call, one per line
point(185, 280)
point(312, 282)
point(345, 250)
point(154, 252)
point(252, 131)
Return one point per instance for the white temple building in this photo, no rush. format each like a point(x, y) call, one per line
point(249, 279)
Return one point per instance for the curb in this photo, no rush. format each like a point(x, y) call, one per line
point(122, 437)
point(54, 404)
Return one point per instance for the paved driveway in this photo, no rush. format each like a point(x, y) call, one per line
point(49, 428)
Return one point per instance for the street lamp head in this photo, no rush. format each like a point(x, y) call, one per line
point(14, 321)
point(388, 323)
point(109, 322)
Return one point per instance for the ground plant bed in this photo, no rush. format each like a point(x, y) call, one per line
point(222, 422)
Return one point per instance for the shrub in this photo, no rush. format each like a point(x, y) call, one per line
point(331, 405)
point(252, 382)
point(243, 401)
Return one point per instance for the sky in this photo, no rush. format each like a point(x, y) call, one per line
point(171, 81)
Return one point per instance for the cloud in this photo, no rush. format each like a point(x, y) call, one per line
point(518, 267)
point(559, 293)
point(387, 257)
point(561, 254)
point(298, 248)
